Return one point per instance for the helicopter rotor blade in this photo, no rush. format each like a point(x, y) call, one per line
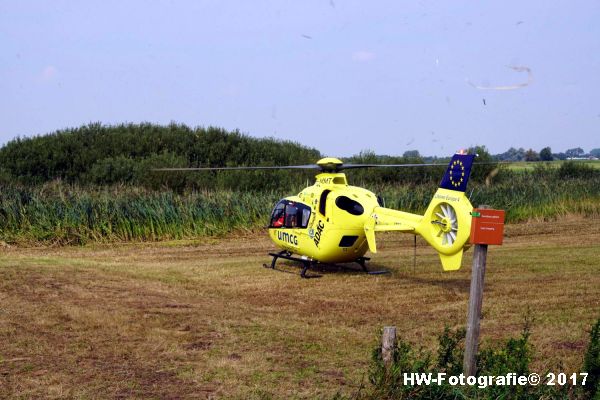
point(309, 166)
point(444, 210)
point(452, 235)
point(354, 166)
point(452, 215)
point(416, 165)
point(325, 168)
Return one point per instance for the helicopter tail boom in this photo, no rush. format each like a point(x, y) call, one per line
point(386, 220)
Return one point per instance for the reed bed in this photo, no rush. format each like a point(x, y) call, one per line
point(65, 214)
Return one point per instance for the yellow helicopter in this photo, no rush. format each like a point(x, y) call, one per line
point(332, 222)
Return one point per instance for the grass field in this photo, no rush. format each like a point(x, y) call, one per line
point(204, 319)
point(524, 165)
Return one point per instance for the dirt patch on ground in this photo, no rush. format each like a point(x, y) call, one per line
point(204, 319)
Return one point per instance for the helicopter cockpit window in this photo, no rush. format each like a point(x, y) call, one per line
point(289, 214)
point(347, 204)
point(277, 216)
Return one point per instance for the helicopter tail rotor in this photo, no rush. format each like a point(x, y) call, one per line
point(446, 225)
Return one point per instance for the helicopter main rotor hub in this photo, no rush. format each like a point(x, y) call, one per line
point(330, 164)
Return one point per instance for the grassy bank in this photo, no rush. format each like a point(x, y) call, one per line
point(524, 165)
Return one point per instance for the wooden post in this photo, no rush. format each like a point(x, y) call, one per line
point(388, 343)
point(475, 302)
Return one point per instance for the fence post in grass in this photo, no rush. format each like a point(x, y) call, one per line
point(475, 302)
point(388, 343)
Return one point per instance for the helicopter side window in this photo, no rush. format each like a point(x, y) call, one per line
point(347, 204)
point(291, 216)
point(297, 215)
point(305, 217)
point(288, 214)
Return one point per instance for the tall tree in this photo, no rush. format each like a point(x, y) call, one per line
point(576, 152)
point(531, 155)
point(411, 154)
point(484, 163)
point(512, 154)
point(546, 154)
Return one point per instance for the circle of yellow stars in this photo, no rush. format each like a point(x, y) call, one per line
point(458, 164)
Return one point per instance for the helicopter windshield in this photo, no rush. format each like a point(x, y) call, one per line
point(290, 214)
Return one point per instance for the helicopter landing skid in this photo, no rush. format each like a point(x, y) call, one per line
point(306, 264)
point(362, 260)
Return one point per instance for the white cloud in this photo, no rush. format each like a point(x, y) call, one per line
point(363, 56)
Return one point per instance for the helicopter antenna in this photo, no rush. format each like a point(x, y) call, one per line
point(471, 194)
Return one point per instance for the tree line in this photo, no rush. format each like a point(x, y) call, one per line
point(546, 154)
point(97, 154)
point(127, 154)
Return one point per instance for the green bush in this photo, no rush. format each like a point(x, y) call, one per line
point(512, 356)
point(104, 155)
point(576, 170)
point(591, 363)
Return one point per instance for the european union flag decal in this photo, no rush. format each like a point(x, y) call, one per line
point(457, 174)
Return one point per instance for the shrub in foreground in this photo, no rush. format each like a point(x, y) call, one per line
point(512, 356)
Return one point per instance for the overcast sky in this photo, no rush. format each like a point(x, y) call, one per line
point(341, 76)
